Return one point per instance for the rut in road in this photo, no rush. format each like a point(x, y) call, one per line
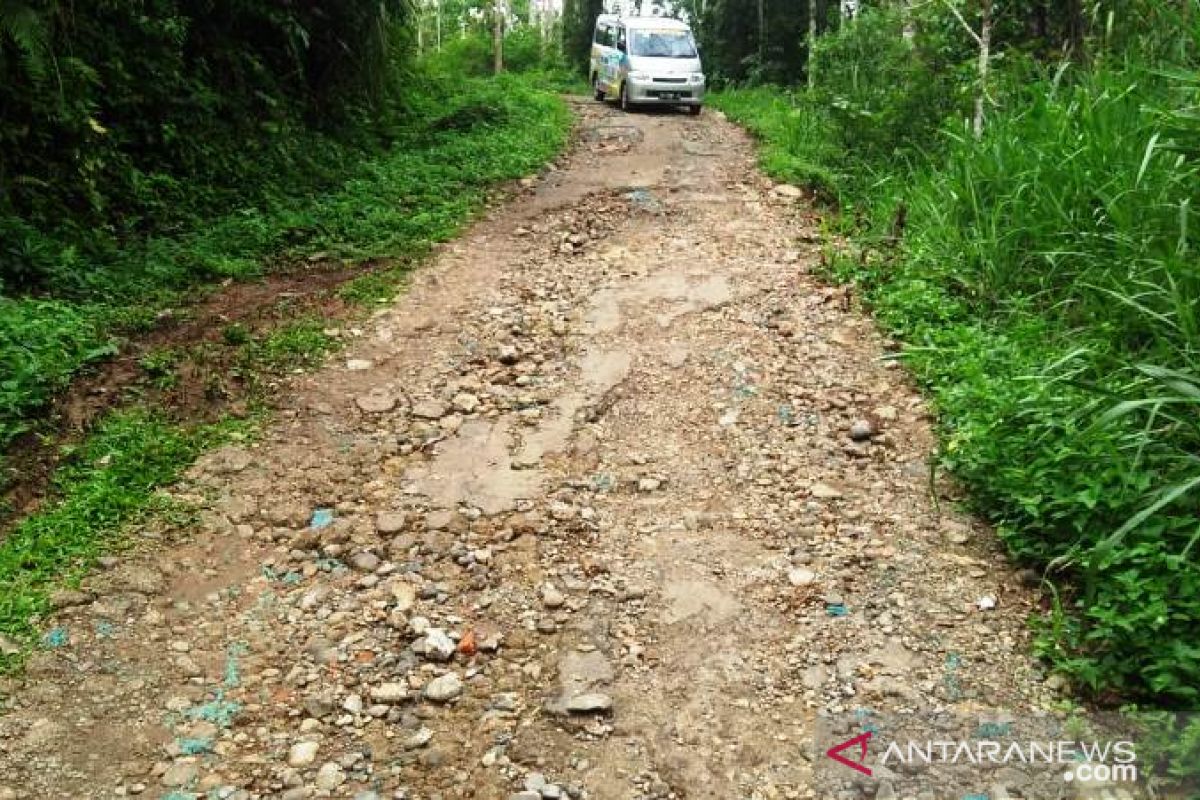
point(580, 515)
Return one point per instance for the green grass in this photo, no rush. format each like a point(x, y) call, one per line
point(1046, 289)
point(797, 138)
point(297, 345)
point(109, 485)
point(463, 137)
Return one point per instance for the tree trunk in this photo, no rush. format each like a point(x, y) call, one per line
point(438, 10)
point(497, 36)
point(762, 33)
point(1075, 28)
point(985, 58)
point(810, 68)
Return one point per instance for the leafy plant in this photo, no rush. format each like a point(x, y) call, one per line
point(1044, 281)
point(22, 29)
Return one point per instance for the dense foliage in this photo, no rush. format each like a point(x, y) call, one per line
point(450, 138)
point(150, 147)
point(578, 25)
point(1044, 277)
point(118, 118)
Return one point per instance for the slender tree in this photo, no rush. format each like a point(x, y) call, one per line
point(810, 66)
point(497, 36)
point(983, 39)
point(762, 33)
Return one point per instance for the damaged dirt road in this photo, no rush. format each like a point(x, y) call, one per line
point(617, 501)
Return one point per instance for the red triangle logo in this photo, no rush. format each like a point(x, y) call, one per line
point(862, 740)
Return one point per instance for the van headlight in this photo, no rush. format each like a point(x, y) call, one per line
point(697, 77)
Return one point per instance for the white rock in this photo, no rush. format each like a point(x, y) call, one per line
point(436, 646)
point(375, 403)
point(429, 409)
point(824, 491)
point(799, 576)
point(405, 595)
point(552, 597)
point(302, 754)
point(330, 776)
point(465, 402)
point(389, 693)
point(419, 739)
point(445, 688)
point(390, 521)
point(589, 703)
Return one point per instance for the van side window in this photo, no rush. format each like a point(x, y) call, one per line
point(601, 33)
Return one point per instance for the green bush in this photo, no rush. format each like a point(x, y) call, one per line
point(1047, 289)
point(525, 51)
point(886, 98)
point(1068, 228)
point(42, 344)
point(122, 119)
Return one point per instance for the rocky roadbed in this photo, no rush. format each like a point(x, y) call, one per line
point(617, 501)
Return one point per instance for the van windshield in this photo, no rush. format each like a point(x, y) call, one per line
point(662, 44)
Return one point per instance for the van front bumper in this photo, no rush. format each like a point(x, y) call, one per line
point(676, 94)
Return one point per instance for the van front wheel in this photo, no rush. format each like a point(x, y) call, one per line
point(625, 106)
point(597, 92)
point(694, 110)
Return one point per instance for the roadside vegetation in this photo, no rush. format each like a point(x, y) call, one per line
point(187, 153)
point(1029, 231)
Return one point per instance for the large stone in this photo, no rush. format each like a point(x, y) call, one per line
point(590, 703)
point(303, 754)
point(180, 774)
point(862, 430)
point(330, 776)
point(375, 402)
point(436, 645)
point(445, 688)
point(466, 402)
point(389, 522)
point(823, 491)
point(405, 595)
point(429, 409)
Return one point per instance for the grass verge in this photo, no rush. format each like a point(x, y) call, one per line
point(464, 138)
point(1044, 284)
point(1039, 280)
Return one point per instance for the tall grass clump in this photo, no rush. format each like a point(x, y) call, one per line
point(1069, 229)
point(1045, 280)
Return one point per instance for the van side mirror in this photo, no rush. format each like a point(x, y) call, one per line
point(622, 47)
